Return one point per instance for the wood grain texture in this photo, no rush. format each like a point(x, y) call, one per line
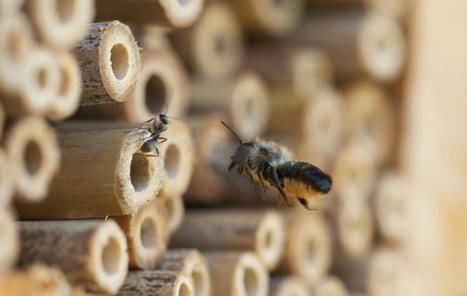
point(157, 282)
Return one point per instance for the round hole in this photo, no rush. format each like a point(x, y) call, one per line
point(310, 251)
point(111, 256)
point(119, 60)
point(198, 283)
point(219, 44)
point(32, 157)
point(155, 94)
point(250, 281)
point(65, 83)
point(249, 107)
point(381, 44)
point(65, 9)
point(148, 233)
point(42, 78)
point(172, 161)
point(139, 172)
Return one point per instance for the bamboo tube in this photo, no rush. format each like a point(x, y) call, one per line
point(385, 273)
point(38, 86)
point(192, 264)
point(370, 118)
point(146, 234)
point(358, 42)
point(9, 240)
point(109, 60)
point(157, 282)
point(245, 100)
point(66, 102)
point(163, 13)
point(125, 179)
point(260, 231)
point(308, 246)
point(162, 87)
point(60, 23)
point(152, 37)
point(213, 47)
point(16, 43)
point(389, 207)
point(91, 253)
point(237, 273)
point(330, 286)
point(288, 286)
point(34, 155)
point(269, 16)
point(354, 173)
point(6, 180)
point(354, 226)
point(173, 210)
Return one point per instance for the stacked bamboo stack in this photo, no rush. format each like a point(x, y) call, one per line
point(93, 204)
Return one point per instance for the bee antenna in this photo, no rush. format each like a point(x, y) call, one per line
point(233, 132)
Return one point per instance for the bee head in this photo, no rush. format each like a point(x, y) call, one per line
point(164, 118)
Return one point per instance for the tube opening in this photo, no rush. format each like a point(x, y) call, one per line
point(250, 281)
point(139, 172)
point(42, 77)
point(32, 157)
point(155, 94)
point(172, 161)
point(65, 83)
point(184, 290)
point(119, 60)
point(198, 283)
point(111, 256)
point(65, 9)
point(148, 233)
point(220, 45)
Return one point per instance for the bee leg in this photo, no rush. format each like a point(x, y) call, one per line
point(303, 202)
point(272, 176)
point(162, 139)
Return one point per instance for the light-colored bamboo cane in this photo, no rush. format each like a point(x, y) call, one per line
point(157, 282)
point(260, 231)
point(369, 118)
point(173, 210)
point(9, 240)
point(213, 47)
point(10, 6)
point(92, 253)
point(389, 207)
point(34, 155)
point(354, 173)
point(330, 286)
point(152, 37)
point(245, 100)
point(102, 173)
point(110, 62)
point(385, 273)
point(308, 246)
point(237, 274)
point(157, 12)
point(38, 86)
point(16, 44)
point(60, 23)
point(146, 234)
point(66, 101)
point(6, 180)
point(288, 286)
point(162, 87)
point(191, 263)
point(357, 41)
point(269, 16)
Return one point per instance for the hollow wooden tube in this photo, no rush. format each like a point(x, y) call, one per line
point(92, 253)
point(123, 180)
point(33, 152)
point(213, 47)
point(358, 42)
point(191, 263)
point(157, 282)
point(60, 24)
point(389, 205)
point(172, 209)
point(386, 273)
point(260, 231)
point(67, 99)
point(7, 181)
point(237, 273)
point(269, 16)
point(244, 99)
point(9, 239)
point(146, 234)
point(370, 118)
point(162, 87)
point(330, 286)
point(288, 286)
point(308, 246)
point(157, 12)
point(109, 60)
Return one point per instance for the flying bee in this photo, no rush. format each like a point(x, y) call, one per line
point(155, 127)
point(271, 164)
